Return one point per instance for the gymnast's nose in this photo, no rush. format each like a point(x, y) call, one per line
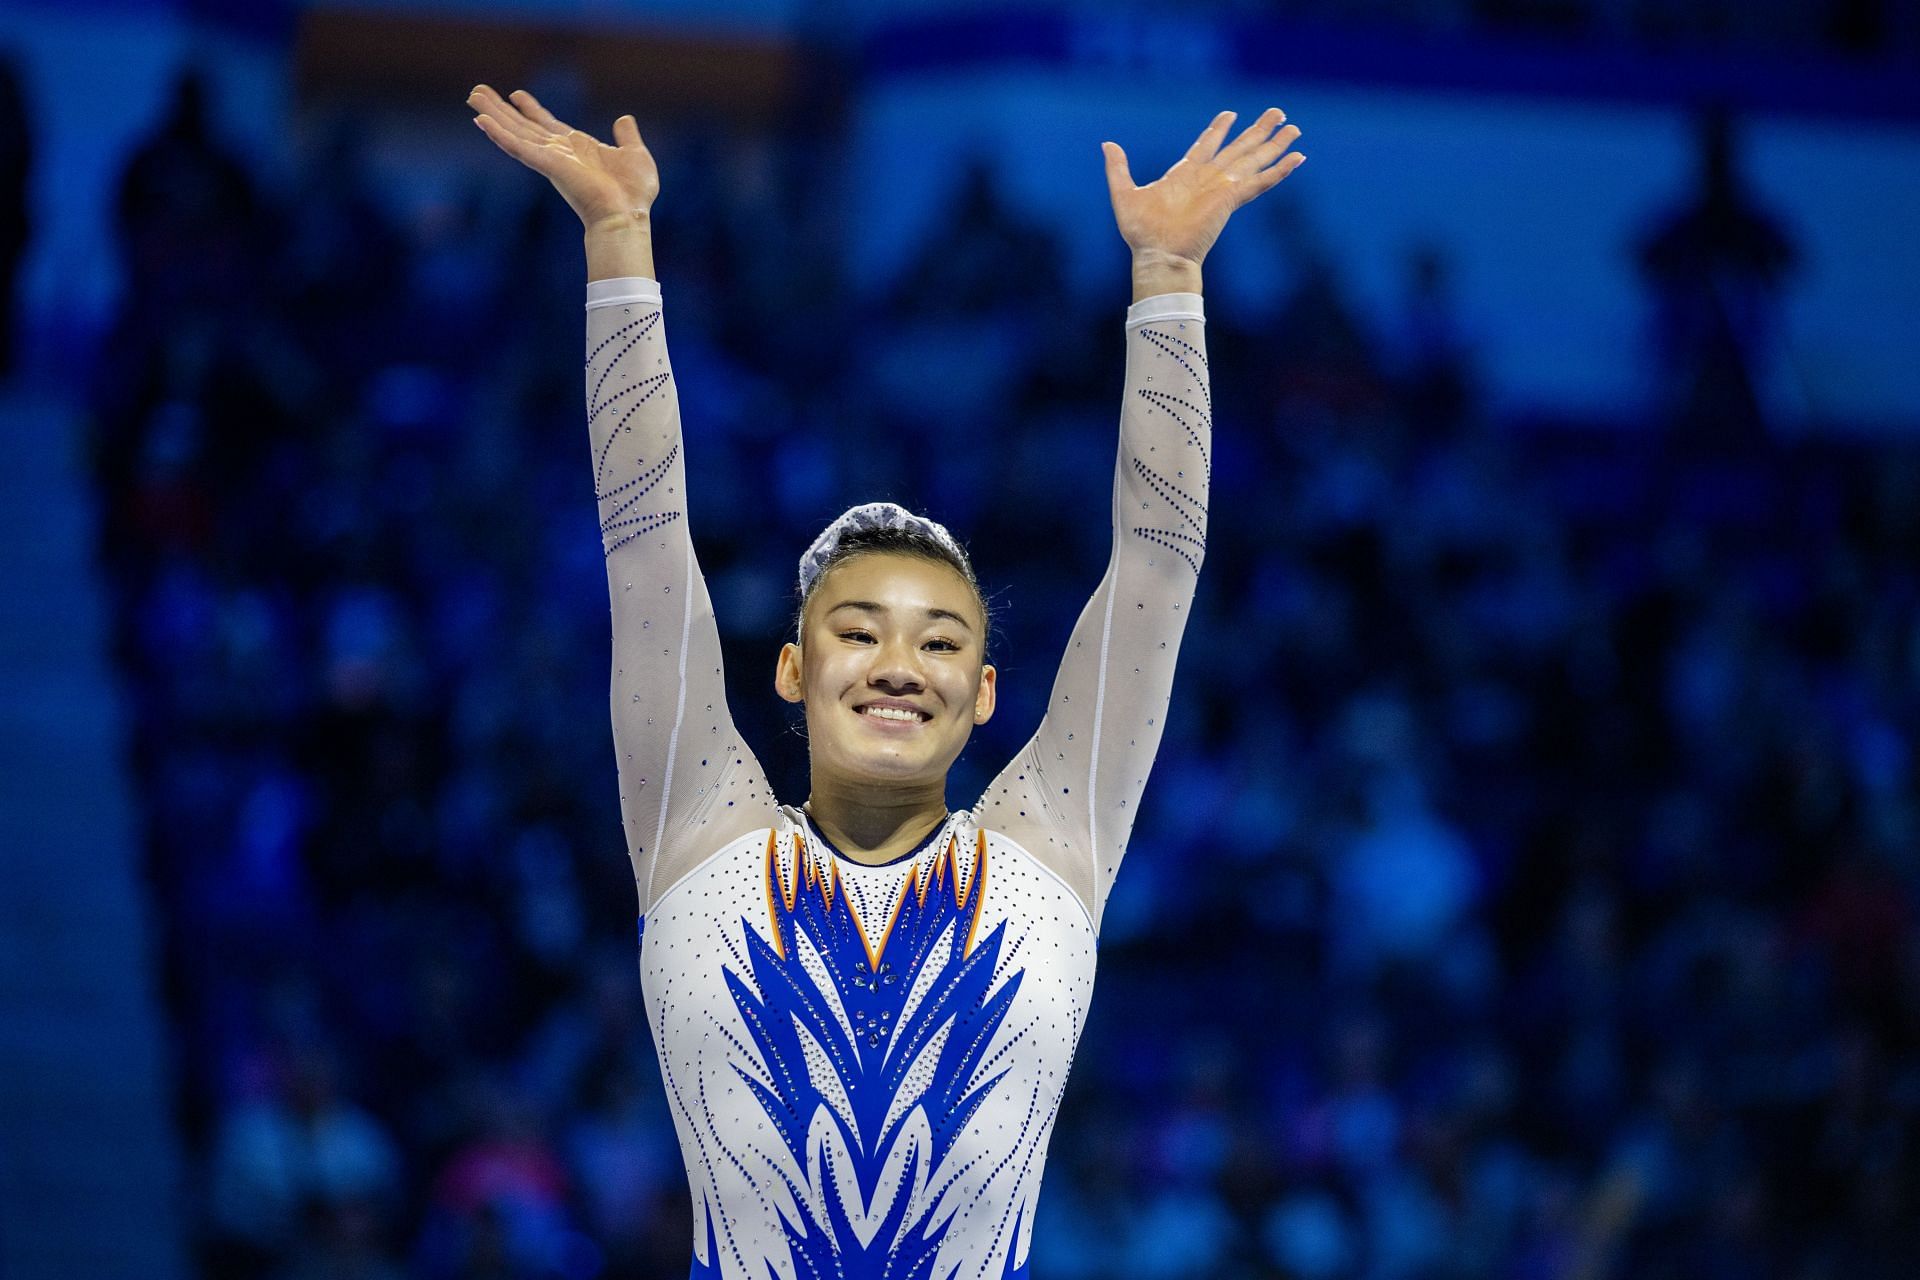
point(896, 665)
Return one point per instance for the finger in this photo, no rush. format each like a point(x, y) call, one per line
point(506, 139)
point(484, 99)
point(626, 132)
point(535, 155)
point(1272, 149)
point(1209, 140)
point(1269, 178)
point(1253, 135)
point(1119, 179)
point(531, 107)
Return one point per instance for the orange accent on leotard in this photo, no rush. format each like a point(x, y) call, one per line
point(774, 879)
point(824, 875)
point(976, 889)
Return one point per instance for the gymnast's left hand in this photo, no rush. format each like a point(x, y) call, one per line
point(1180, 214)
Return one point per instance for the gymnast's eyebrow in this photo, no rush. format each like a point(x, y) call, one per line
point(868, 606)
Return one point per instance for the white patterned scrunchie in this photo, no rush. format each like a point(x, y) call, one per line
point(872, 515)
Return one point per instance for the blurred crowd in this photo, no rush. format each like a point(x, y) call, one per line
point(1525, 887)
point(1853, 30)
point(1850, 28)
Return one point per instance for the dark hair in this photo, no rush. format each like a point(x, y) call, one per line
point(899, 542)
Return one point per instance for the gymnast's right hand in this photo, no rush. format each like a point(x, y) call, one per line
point(608, 186)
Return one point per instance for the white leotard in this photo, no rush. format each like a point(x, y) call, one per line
point(863, 1062)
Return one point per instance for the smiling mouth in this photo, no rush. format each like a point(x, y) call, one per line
point(892, 715)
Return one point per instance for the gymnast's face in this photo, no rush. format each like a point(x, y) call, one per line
point(885, 628)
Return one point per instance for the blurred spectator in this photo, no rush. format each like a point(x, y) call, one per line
point(187, 211)
point(1717, 267)
point(500, 1204)
point(1434, 358)
point(298, 1146)
point(344, 1241)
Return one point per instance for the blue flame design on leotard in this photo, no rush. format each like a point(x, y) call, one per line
point(870, 1078)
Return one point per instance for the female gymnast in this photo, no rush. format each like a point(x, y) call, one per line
point(865, 1007)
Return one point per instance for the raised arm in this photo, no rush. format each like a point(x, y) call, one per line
point(1071, 795)
point(687, 782)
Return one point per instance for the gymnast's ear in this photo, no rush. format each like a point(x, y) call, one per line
point(988, 695)
point(787, 681)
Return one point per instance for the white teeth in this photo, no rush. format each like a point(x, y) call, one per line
point(890, 713)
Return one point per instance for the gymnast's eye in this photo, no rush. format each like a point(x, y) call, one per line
point(951, 646)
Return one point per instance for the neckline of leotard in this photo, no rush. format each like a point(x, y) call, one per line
point(909, 855)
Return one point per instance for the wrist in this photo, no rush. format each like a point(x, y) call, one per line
point(620, 245)
point(1156, 271)
point(629, 222)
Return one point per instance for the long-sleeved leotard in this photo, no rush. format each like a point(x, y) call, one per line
point(863, 1063)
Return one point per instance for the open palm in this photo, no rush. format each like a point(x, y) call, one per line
point(1181, 213)
point(601, 182)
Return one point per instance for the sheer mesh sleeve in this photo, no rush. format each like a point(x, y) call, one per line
point(1071, 794)
point(687, 783)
